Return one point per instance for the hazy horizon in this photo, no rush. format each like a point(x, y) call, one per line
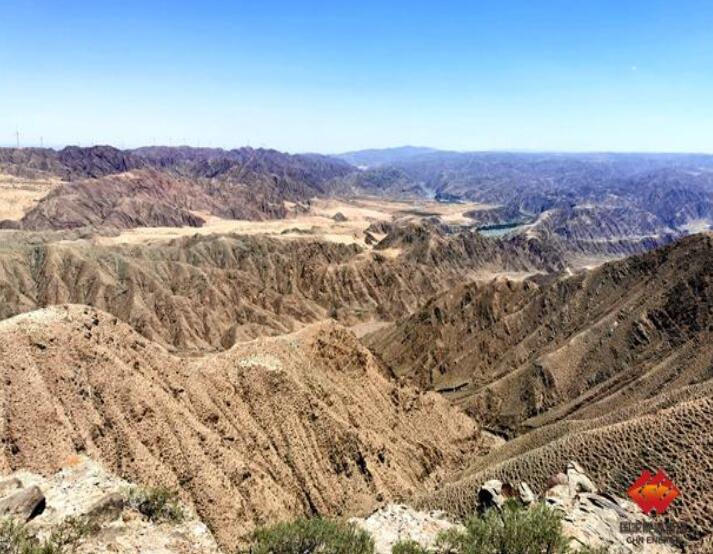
point(58, 147)
point(308, 77)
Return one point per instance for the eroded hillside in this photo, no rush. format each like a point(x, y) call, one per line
point(612, 367)
point(509, 351)
point(303, 424)
point(206, 292)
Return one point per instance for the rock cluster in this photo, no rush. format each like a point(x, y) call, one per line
point(399, 523)
point(589, 517)
point(84, 490)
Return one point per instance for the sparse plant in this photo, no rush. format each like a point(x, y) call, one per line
point(308, 536)
point(513, 530)
point(157, 504)
point(15, 538)
point(409, 547)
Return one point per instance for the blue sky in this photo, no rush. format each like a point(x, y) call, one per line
point(576, 75)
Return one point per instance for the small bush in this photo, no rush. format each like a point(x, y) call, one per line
point(408, 547)
point(157, 504)
point(514, 530)
point(16, 539)
point(307, 536)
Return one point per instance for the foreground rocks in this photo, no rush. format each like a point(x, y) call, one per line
point(589, 517)
point(398, 523)
point(84, 490)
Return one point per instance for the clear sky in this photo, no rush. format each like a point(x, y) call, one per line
point(634, 75)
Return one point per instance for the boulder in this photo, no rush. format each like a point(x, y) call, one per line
point(578, 480)
point(395, 523)
point(106, 509)
point(24, 504)
point(524, 492)
point(9, 486)
point(490, 495)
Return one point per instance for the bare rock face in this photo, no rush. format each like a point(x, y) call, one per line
point(8, 486)
point(24, 504)
point(398, 523)
point(83, 489)
point(108, 508)
point(491, 495)
point(525, 494)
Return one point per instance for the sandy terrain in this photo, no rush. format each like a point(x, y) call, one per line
point(18, 195)
point(317, 222)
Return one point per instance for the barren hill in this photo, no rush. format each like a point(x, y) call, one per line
point(307, 423)
point(512, 350)
point(613, 367)
point(148, 198)
point(160, 186)
point(203, 293)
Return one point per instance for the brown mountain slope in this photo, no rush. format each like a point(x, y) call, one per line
point(510, 351)
point(613, 368)
point(160, 186)
point(671, 431)
point(302, 424)
point(148, 198)
point(206, 292)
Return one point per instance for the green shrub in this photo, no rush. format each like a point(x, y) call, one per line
point(157, 504)
point(514, 530)
point(307, 536)
point(16, 539)
point(408, 547)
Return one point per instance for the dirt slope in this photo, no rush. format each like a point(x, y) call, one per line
point(202, 293)
point(613, 368)
point(509, 351)
point(672, 431)
point(307, 423)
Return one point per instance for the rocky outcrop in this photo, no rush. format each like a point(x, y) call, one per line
point(84, 491)
point(396, 523)
point(598, 520)
point(589, 518)
point(23, 504)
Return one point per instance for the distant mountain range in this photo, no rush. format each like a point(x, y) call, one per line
point(374, 157)
point(593, 204)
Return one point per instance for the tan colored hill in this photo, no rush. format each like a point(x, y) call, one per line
point(307, 423)
point(206, 292)
point(613, 367)
point(510, 351)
